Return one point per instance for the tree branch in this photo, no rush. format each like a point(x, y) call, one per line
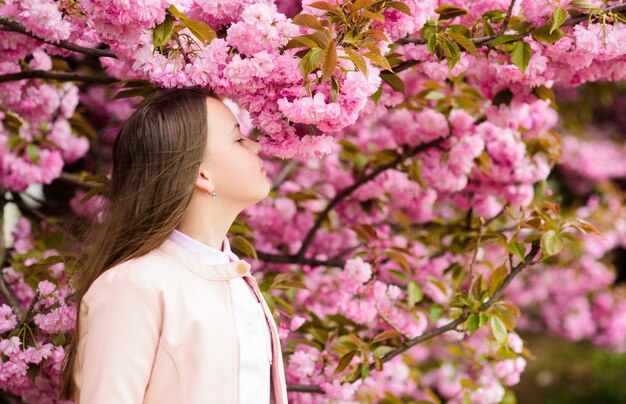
point(305, 388)
point(344, 193)
point(19, 28)
point(535, 247)
point(505, 23)
point(54, 75)
point(486, 40)
point(453, 324)
point(293, 259)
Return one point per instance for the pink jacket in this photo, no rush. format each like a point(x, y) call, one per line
point(160, 329)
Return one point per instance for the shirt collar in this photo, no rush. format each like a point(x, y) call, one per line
point(214, 271)
point(208, 254)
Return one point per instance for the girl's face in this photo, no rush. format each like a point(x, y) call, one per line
point(232, 167)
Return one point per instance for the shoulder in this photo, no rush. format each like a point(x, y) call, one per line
point(136, 276)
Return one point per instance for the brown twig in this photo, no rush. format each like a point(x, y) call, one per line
point(505, 23)
point(344, 193)
point(487, 40)
point(60, 76)
point(445, 328)
point(19, 28)
point(453, 324)
point(293, 259)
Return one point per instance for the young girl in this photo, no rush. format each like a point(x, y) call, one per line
point(168, 314)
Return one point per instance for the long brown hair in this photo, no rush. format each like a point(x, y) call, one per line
point(156, 157)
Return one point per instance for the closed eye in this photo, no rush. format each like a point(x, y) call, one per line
point(240, 140)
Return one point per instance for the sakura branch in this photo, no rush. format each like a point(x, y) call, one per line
point(451, 326)
point(59, 76)
point(19, 28)
point(346, 192)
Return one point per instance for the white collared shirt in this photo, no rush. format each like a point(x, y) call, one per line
point(255, 351)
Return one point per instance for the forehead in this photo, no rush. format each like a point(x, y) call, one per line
point(220, 119)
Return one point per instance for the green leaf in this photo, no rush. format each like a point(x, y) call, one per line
point(497, 279)
point(357, 59)
point(377, 94)
point(516, 248)
point(382, 158)
point(322, 5)
point(393, 80)
point(382, 350)
point(365, 371)
point(468, 384)
point(398, 274)
point(464, 42)
point(307, 20)
point(387, 334)
point(545, 93)
point(559, 18)
point(498, 329)
point(284, 305)
point(584, 4)
point(355, 374)
point(551, 243)
point(33, 152)
point(373, 16)
point(400, 6)
point(495, 16)
point(200, 30)
point(161, 33)
point(504, 39)
point(452, 52)
point(521, 55)
point(434, 95)
point(319, 335)
point(238, 227)
point(415, 294)
point(133, 92)
point(359, 4)
point(545, 34)
point(348, 146)
point(508, 313)
point(482, 319)
point(435, 312)
point(300, 41)
point(311, 61)
point(487, 28)
point(432, 42)
point(334, 89)
point(33, 370)
point(472, 323)
point(244, 246)
point(174, 11)
point(329, 62)
point(397, 256)
point(345, 361)
point(447, 12)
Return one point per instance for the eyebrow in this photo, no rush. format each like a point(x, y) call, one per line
point(234, 127)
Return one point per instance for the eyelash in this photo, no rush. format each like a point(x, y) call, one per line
point(240, 140)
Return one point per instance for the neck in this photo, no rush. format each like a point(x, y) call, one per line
point(207, 220)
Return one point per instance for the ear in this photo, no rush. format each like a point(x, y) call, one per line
point(204, 182)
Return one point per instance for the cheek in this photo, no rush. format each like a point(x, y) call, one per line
point(237, 167)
